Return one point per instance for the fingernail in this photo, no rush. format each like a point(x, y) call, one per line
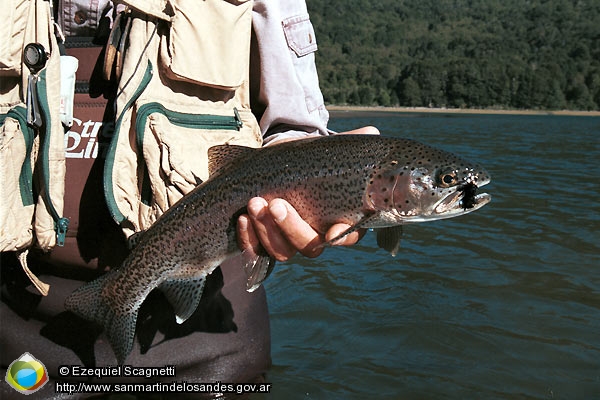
point(256, 206)
point(243, 223)
point(278, 211)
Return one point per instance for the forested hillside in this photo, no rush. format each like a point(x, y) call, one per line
point(524, 54)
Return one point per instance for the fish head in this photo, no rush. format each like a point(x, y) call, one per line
point(420, 183)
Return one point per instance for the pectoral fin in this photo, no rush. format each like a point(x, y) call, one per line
point(366, 222)
point(184, 295)
point(389, 238)
point(257, 267)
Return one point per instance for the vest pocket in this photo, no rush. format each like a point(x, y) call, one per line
point(208, 43)
point(16, 191)
point(175, 145)
point(12, 32)
point(173, 152)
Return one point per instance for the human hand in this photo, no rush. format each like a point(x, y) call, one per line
point(279, 229)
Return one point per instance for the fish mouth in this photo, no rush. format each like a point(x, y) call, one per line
point(462, 201)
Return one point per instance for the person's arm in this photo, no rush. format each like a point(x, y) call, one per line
point(285, 93)
point(289, 104)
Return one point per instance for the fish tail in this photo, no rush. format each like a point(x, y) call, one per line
point(89, 303)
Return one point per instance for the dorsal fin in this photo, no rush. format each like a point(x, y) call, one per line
point(134, 239)
point(226, 154)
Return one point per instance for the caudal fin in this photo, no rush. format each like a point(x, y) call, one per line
point(119, 325)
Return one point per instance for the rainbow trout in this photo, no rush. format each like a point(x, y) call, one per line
point(361, 180)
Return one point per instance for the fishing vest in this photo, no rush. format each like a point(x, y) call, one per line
point(32, 113)
point(182, 69)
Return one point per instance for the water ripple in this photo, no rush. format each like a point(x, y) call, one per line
point(502, 303)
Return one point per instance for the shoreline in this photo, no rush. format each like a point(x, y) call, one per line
point(341, 109)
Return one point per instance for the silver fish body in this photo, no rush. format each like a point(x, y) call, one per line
point(361, 180)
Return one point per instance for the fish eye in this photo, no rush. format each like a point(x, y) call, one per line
point(447, 178)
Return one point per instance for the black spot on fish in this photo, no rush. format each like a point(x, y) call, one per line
point(468, 195)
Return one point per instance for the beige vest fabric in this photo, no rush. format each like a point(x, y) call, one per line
point(183, 87)
point(30, 157)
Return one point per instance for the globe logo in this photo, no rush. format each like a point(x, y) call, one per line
point(27, 374)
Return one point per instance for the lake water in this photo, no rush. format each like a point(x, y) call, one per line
point(503, 303)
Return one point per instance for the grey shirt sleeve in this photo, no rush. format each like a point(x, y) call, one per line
point(284, 84)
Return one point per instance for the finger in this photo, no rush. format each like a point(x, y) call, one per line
point(348, 240)
point(365, 130)
point(247, 238)
point(267, 231)
point(296, 230)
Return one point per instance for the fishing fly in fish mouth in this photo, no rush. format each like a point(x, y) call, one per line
point(467, 186)
point(469, 199)
point(364, 181)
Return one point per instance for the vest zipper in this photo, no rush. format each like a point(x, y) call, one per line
point(184, 120)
